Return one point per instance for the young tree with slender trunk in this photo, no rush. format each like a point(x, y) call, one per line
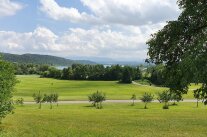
point(147, 98)
point(55, 98)
point(133, 98)
point(164, 97)
point(175, 97)
point(38, 98)
point(97, 98)
point(197, 96)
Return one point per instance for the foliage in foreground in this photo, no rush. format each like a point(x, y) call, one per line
point(182, 46)
point(97, 98)
point(7, 83)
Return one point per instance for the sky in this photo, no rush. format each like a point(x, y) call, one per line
point(108, 29)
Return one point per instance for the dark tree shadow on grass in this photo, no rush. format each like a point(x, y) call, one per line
point(89, 106)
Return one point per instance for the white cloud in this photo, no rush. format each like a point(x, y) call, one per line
point(77, 42)
point(9, 8)
point(133, 12)
point(56, 12)
point(40, 40)
point(125, 12)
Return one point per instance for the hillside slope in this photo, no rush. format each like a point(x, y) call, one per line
point(42, 59)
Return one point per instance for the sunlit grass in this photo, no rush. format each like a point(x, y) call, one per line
point(79, 90)
point(115, 120)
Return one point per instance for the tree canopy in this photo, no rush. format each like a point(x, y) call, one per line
point(182, 46)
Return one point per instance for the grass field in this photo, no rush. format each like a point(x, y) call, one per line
point(115, 120)
point(79, 90)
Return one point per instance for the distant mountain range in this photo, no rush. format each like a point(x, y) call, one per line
point(42, 59)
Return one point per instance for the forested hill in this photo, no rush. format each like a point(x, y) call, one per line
point(42, 59)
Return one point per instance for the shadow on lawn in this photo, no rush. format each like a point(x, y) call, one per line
point(89, 106)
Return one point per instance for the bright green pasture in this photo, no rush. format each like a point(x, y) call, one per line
point(79, 90)
point(115, 120)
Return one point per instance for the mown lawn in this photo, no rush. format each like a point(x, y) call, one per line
point(115, 120)
point(79, 90)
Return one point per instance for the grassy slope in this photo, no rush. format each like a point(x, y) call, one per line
point(119, 120)
point(79, 90)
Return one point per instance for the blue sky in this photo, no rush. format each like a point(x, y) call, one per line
point(115, 29)
point(30, 17)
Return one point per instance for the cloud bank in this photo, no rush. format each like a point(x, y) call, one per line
point(118, 29)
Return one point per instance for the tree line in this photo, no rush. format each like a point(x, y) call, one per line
point(126, 74)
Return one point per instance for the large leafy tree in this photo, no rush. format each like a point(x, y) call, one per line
point(7, 83)
point(182, 46)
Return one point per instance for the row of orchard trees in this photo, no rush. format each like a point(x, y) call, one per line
point(98, 97)
point(165, 97)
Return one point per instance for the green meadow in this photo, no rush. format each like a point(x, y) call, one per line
point(114, 120)
point(79, 90)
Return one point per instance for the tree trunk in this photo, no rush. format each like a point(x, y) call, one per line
point(97, 105)
point(100, 104)
point(145, 107)
point(40, 105)
point(197, 103)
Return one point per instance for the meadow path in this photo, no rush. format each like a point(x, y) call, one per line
point(109, 101)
